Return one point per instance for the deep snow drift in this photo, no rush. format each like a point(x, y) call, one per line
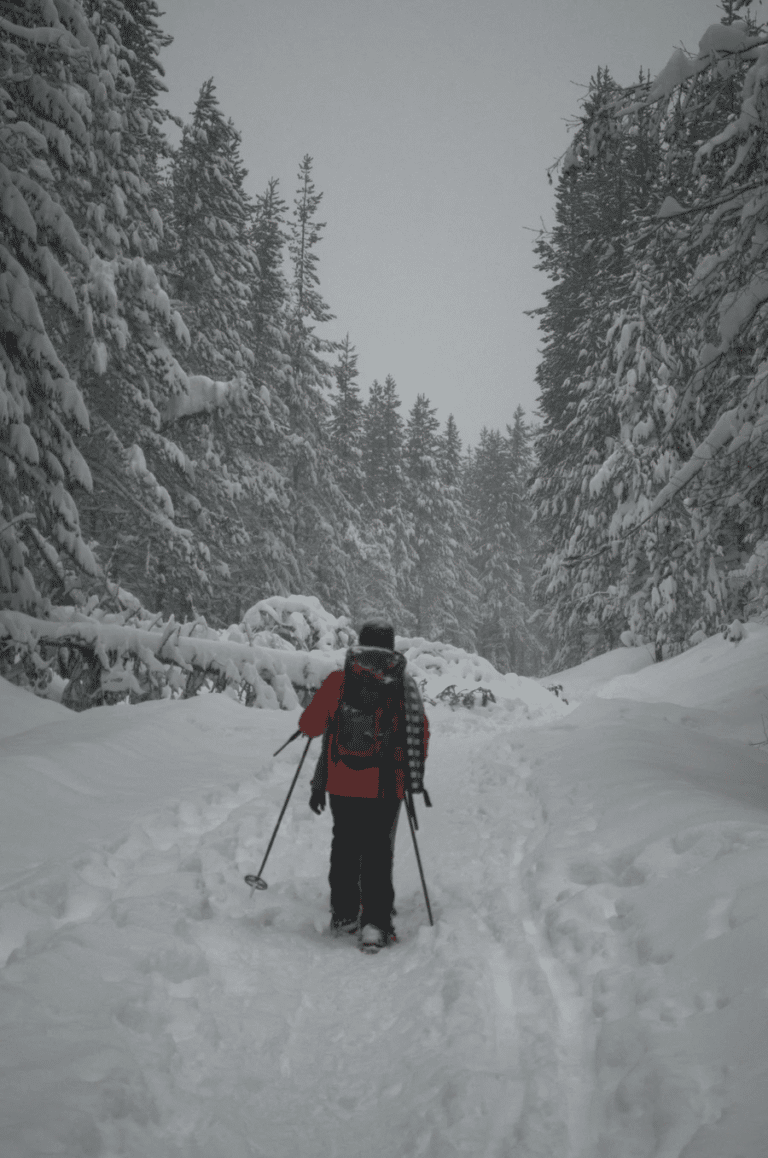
point(594, 987)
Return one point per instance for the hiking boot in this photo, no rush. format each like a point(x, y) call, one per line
point(372, 939)
point(343, 926)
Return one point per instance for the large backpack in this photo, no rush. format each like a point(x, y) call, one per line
point(363, 732)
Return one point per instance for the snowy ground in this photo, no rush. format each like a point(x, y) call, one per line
point(595, 985)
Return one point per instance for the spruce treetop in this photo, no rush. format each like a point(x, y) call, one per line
point(305, 234)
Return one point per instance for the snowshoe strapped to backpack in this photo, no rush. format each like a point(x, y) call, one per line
point(371, 695)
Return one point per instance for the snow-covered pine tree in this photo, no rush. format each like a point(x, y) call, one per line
point(527, 644)
point(685, 362)
point(221, 426)
point(143, 38)
point(369, 576)
point(213, 264)
point(52, 66)
point(583, 255)
point(714, 116)
point(127, 367)
point(461, 603)
point(278, 569)
point(433, 579)
point(269, 294)
point(391, 522)
point(345, 429)
point(529, 640)
point(383, 441)
point(318, 503)
point(504, 634)
point(589, 258)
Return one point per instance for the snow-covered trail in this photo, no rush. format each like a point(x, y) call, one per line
point(157, 1009)
point(594, 985)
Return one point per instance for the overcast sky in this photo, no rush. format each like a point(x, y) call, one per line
point(432, 124)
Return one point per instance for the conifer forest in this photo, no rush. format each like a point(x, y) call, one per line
point(175, 421)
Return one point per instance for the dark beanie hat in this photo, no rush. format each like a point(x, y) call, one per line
point(378, 633)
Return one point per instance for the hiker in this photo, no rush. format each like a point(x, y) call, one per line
point(375, 737)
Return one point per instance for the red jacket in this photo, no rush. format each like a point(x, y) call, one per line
point(342, 780)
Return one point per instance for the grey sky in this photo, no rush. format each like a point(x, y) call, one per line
point(432, 124)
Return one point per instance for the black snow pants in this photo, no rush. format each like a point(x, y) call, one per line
point(362, 851)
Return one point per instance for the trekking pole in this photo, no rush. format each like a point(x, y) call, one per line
point(287, 742)
point(257, 881)
point(410, 809)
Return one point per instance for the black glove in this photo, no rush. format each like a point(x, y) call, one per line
point(317, 801)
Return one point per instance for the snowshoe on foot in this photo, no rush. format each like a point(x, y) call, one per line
point(372, 939)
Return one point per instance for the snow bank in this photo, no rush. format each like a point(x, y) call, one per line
point(71, 779)
point(726, 676)
point(20, 711)
point(648, 894)
point(579, 683)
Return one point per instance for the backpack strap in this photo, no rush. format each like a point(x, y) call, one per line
point(414, 733)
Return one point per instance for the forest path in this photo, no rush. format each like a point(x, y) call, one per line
point(221, 1025)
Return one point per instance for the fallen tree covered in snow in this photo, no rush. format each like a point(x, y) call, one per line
point(107, 662)
point(276, 658)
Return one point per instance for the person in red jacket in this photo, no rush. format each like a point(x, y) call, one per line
point(365, 801)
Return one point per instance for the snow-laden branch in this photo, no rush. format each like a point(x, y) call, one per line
point(725, 429)
point(718, 40)
point(42, 37)
point(671, 207)
point(734, 427)
point(204, 395)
